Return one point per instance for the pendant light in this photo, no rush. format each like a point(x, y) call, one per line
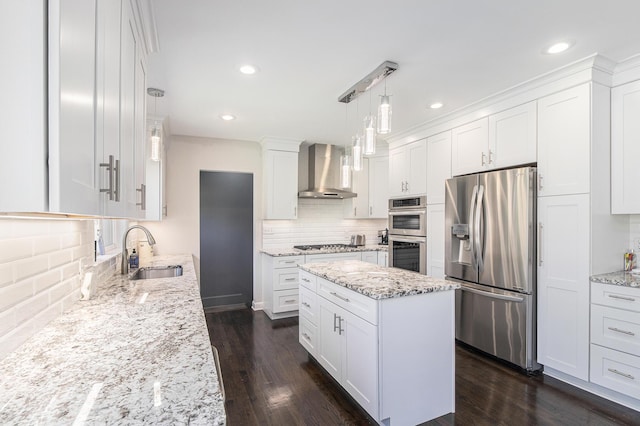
point(345, 158)
point(369, 132)
point(384, 113)
point(156, 131)
point(358, 149)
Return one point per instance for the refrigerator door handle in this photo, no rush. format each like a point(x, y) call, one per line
point(492, 295)
point(472, 241)
point(477, 229)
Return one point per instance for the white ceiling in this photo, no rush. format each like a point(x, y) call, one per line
point(310, 52)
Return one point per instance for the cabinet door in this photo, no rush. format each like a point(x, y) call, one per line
point(329, 349)
point(140, 112)
point(416, 157)
point(469, 147)
point(438, 166)
point(563, 284)
point(512, 137)
point(358, 207)
point(370, 256)
point(397, 171)
point(564, 142)
point(379, 187)
point(383, 258)
point(360, 370)
point(281, 175)
point(625, 148)
point(73, 161)
point(435, 240)
point(128, 63)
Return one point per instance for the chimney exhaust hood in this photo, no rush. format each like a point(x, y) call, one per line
point(324, 173)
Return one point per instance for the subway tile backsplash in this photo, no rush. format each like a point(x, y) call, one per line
point(41, 263)
point(319, 221)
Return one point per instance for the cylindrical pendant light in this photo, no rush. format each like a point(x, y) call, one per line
point(155, 144)
point(369, 135)
point(345, 168)
point(384, 115)
point(358, 151)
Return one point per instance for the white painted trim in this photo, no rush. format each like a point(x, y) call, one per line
point(147, 24)
point(280, 144)
point(257, 306)
point(593, 68)
point(598, 390)
point(627, 71)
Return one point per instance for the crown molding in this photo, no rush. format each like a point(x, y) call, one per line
point(280, 144)
point(148, 28)
point(627, 71)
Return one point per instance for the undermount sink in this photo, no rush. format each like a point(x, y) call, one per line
point(157, 272)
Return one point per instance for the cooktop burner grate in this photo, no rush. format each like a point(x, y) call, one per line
point(321, 246)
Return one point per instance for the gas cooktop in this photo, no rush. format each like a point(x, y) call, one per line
point(323, 246)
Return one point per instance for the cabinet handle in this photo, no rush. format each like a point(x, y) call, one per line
point(295, 211)
point(540, 182)
point(306, 336)
point(406, 185)
point(116, 173)
point(333, 293)
point(290, 301)
point(629, 299)
point(110, 168)
point(143, 196)
point(290, 279)
point(620, 373)
point(335, 327)
point(484, 163)
point(289, 261)
point(306, 280)
point(306, 304)
point(370, 211)
point(402, 185)
point(630, 333)
point(340, 329)
point(490, 159)
point(540, 230)
point(355, 211)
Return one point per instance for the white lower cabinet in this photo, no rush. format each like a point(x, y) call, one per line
point(615, 339)
point(383, 258)
point(280, 280)
point(435, 240)
point(364, 343)
point(370, 256)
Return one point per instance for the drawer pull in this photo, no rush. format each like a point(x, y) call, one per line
point(306, 304)
point(630, 299)
point(289, 261)
point(306, 336)
point(290, 301)
point(619, 373)
point(306, 280)
point(333, 293)
point(290, 279)
point(630, 333)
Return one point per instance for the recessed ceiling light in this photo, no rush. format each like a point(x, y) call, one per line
point(558, 47)
point(228, 117)
point(248, 69)
point(436, 105)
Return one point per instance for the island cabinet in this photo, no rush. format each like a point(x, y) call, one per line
point(399, 373)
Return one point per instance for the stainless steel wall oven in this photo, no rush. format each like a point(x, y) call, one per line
point(408, 234)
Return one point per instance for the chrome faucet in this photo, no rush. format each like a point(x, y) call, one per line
point(124, 264)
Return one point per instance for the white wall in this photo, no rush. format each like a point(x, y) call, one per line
point(41, 261)
point(179, 231)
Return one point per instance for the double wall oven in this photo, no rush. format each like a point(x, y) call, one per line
point(408, 234)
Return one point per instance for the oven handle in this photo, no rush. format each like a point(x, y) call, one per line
point(492, 295)
point(407, 212)
point(408, 239)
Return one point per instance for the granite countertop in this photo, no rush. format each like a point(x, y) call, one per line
point(136, 353)
point(621, 278)
point(296, 252)
point(378, 282)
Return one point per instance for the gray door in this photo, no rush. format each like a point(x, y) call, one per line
point(226, 238)
point(506, 256)
point(461, 193)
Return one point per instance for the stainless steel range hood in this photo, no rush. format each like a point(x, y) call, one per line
point(324, 173)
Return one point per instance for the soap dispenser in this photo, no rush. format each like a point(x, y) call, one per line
point(134, 260)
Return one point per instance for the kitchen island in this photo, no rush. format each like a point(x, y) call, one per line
point(386, 335)
point(136, 353)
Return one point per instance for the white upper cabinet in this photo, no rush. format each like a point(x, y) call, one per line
point(435, 240)
point(625, 148)
point(280, 179)
point(358, 207)
point(438, 166)
point(469, 147)
point(408, 169)
point(564, 146)
point(73, 155)
point(512, 137)
point(379, 187)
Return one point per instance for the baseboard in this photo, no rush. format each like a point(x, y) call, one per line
point(257, 306)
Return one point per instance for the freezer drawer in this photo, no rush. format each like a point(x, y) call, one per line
point(500, 323)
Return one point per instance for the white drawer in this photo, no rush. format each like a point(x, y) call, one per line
point(615, 328)
point(332, 257)
point(615, 370)
point(285, 279)
point(356, 303)
point(308, 280)
point(307, 335)
point(287, 261)
point(616, 296)
point(308, 305)
point(285, 301)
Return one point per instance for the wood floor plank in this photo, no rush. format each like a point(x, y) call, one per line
point(270, 380)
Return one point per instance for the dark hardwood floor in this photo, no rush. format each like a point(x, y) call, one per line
point(270, 380)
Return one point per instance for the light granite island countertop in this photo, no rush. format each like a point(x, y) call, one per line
point(136, 353)
point(378, 282)
point(620, 278)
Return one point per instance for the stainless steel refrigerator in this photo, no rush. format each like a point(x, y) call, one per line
point(490, 248)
